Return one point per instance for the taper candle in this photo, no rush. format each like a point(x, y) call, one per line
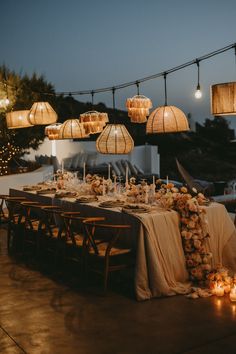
point(84, 172)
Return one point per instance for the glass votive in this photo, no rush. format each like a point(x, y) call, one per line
point(219, 290)
point(232, 294)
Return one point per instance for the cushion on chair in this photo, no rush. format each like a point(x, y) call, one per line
point(115, 168)
point(125, 166)
point(114, 251)
point(76, 161)
point(120, 168)
point(79, 239)
point(139, 170)
point(133, 171)
point(91, 159)
point(67, 163)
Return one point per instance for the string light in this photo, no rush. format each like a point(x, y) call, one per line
point(147, 78)
point(198, 92)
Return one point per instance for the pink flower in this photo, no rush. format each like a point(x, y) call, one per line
point(197, 244)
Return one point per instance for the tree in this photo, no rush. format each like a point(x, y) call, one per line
point(21, 92)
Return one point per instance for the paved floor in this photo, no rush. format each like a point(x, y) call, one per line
point(45, 314)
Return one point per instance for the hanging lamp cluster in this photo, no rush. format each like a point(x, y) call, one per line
point(41, 113)
point(114, 138)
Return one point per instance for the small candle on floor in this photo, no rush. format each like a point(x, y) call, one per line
point(219, 290)
point(232, 294)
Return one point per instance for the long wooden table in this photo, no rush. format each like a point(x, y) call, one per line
point(160, 261)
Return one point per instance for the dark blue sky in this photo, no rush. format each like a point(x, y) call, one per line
point(90, 44)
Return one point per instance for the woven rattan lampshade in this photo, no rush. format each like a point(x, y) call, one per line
point(93, 121)
point(93, 127)
point(94, 116)
point(138, 108)
point(167, 119)
point(52, 131)
point(114, 139)
point(72, 129)
point(223, 99)
point(42, 113)
point(18, 119)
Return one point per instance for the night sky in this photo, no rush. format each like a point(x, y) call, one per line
point(80, 45)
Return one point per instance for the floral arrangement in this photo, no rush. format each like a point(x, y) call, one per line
point(137, 193)
point(193, 227)
point(99, 185)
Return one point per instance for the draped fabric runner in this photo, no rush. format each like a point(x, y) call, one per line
point(161, 266)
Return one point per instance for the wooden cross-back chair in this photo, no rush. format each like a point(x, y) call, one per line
point(104, 254)
point(15, 224)
point(75, 238)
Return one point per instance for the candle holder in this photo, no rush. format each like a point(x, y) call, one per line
point(218, 290)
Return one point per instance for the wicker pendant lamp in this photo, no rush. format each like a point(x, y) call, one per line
point(223, 99)
point(115, 138)
point(138, 107)
point(93, 121)
point(72, 129)
point(18, 119)
point(42, 113)
point(166, 119)
point(94, 116)
point(52, 131)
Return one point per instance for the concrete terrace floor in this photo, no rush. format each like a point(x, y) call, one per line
point(43, 313)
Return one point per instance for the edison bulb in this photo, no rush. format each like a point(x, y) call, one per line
point(198, 93)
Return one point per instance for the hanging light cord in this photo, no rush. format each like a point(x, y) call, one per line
point(137, 84)
point(113, 97)
point(147, 78)
point(198, 74)
point(165, 74)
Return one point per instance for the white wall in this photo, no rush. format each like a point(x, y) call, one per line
point(21, 179)
point(145, 156)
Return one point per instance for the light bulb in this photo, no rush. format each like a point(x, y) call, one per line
point(7, 101)
point(198, 93)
